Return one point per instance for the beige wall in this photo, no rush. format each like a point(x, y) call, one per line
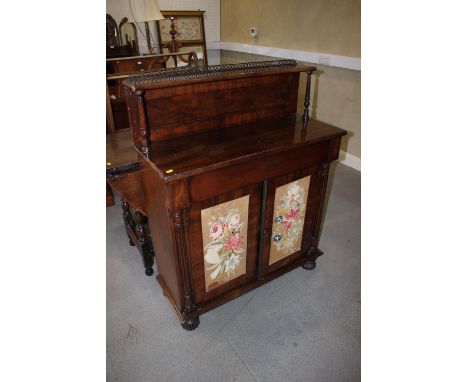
point(324, 26)
point(336, 99)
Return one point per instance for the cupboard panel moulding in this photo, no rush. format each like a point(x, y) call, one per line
point(224, 229)
point(288, 219)
point(223, 235)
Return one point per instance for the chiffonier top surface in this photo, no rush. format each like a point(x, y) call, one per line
point(195, 154)
point(181, 76)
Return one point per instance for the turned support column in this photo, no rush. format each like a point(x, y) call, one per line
point(144, 128)
point(174, 45)
point(305, 116)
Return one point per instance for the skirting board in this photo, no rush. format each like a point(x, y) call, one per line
point(350, 160)
point(346, 62)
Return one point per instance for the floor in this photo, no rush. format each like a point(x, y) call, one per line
point(303, 326)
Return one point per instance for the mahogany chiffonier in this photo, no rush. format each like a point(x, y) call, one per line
point(234, 180)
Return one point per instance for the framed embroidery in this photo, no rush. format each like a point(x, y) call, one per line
point(288, 219)
point(224, 230)
point(188, 31)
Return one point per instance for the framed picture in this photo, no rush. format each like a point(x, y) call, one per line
point(189, 33)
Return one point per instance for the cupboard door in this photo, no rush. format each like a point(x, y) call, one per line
point(224, 241)
point(290, 208)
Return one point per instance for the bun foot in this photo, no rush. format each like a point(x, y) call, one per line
point(191, 324)
point(149, 271)
point(309, 265)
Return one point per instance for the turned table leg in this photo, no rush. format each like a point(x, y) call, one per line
point(144, 243)
point(127, 218)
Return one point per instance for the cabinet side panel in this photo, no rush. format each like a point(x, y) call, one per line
point(161, 235)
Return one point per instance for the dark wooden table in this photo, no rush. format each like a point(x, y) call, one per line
point(120, 155)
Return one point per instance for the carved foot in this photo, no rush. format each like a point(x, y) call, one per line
point(309, 265)
point(149, 271)
point(191, 324)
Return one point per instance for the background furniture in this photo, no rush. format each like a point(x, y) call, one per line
point(234, 182)
point(121, 159)
point(129, 35)
point(112, 32)
point(114, 46)
point(118, 69)
point(183, 31)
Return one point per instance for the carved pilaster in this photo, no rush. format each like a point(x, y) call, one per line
point(185, 266)
point(305, 116)
point(322, 189)
point(144, 128)
point(313, 252)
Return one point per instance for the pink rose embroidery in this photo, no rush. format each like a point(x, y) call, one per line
point(216, 231)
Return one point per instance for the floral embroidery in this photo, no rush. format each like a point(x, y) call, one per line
point(225, 252)
point(288, 219)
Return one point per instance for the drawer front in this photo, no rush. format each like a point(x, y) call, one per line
point(223, 234)
point(292, 203)
point(256, 170)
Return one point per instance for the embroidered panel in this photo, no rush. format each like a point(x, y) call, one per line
point(188, 29)
point(288, 219)
point(224, 230)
